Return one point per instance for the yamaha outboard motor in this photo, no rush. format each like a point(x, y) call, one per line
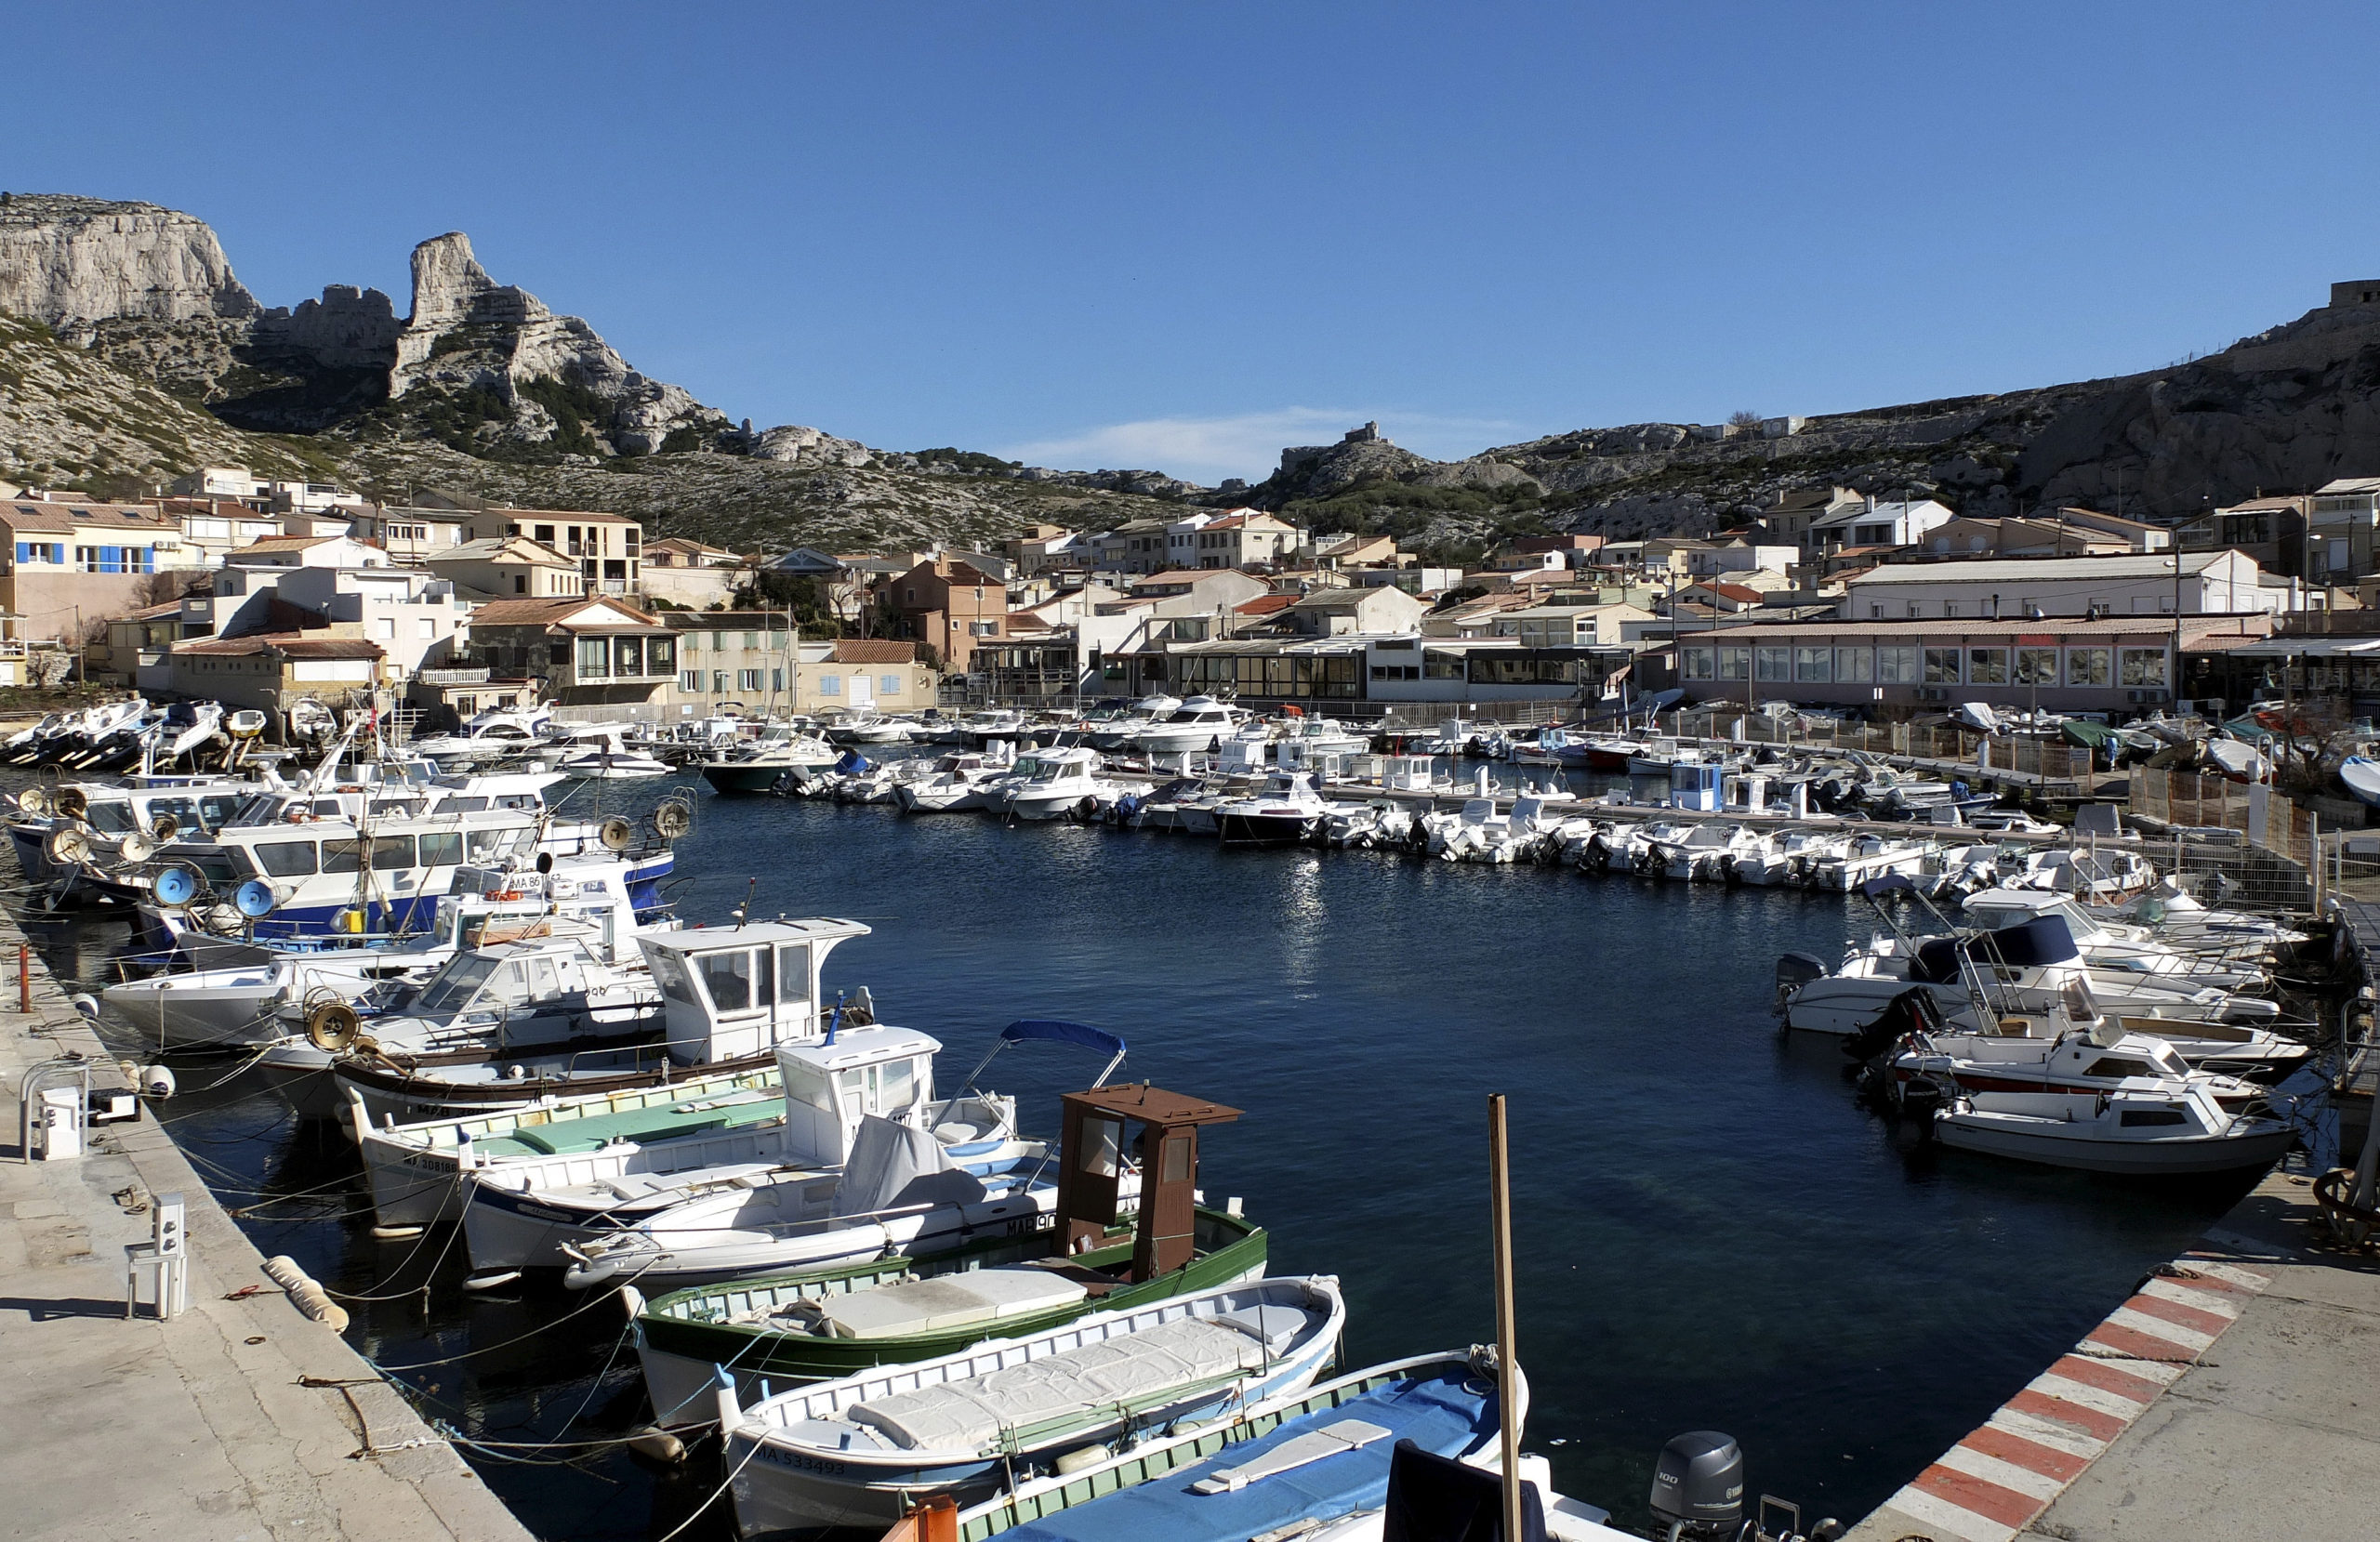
point(1698, 1489)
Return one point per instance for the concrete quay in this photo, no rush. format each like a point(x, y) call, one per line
point(240, 1420)
point(2232, 1395)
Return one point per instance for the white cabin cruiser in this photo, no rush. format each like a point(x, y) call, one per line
point(952, 783)
point(600, 752)
point(1287, 810)
point(1196, 726)
point(1051, 784)
point(469, 1033)
point(731, 995)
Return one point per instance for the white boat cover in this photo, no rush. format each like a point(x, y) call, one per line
point(893, 1164)
point(926, 1306)
point(1073, 1384)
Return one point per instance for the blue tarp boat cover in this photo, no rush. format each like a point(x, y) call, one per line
point(1062, 1033)
point(1447, 1415)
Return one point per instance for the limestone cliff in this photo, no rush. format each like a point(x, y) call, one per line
point(68, 262)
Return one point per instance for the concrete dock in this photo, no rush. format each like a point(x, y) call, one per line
point(238, 1420)
point(2237, 1393)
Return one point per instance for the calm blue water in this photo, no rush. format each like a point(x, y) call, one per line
point(1712, 1233)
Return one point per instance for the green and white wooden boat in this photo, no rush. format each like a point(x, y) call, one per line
point(830, 1321)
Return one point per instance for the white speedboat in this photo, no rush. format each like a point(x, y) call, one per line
point(951, 783)
point(1196, 727)
point(1287, 810)
point(601, 753)
point(862, 1450)
point(1053, 783)
point(2168, 1131)
point(758, 766)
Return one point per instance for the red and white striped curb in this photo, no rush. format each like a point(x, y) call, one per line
point(1992, 1484)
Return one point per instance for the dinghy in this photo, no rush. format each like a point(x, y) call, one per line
point(2361, 777)
point(859, 1451)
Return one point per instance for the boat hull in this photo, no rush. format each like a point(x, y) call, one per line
point(2195, 1157)
point(737, 779)
point(1263, 828)
point(682, 1358)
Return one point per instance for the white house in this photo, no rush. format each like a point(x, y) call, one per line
point(2198, 583)
point(1876, 525)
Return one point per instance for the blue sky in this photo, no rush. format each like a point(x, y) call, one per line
point(1181, 236)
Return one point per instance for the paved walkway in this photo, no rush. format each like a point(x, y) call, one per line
point(2233, 1395)
point(198, 1430)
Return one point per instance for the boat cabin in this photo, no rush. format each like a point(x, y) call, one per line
point(832, 1085)
point(735, 991)
point(1095, 1150)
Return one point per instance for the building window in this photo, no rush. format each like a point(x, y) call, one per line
point(830, 685)
point(1694, 664)
point(982, 628)
point(2036, 667)
point(628, 657)
point(776, 682)
point(718, 683)
point(1988, 666)
point(1814, 665)
point(1897, 664)
point(1735, 663)
point(520, 583)
point(1941, 667)
point(594, 658)
point(691, 681)
point(1853, 665)
point(751, 640)
point(545, 534)
point(2087, 666)
point(41, 551)
point(888, 685)
point(2141, 666)
point(748, 679)
point(385, 628)
point(1772, 664)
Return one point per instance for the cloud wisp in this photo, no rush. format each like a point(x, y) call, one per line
point(1246, 446)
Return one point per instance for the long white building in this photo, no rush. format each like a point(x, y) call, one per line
point(2198, 583)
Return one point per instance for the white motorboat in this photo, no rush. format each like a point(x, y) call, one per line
point(2115, 947)
point(494, 734)
point(468, 1035)
point(229, 994)
point(2170, 1131)
point(2021, 967)
point(1366, 825)
point(1286, 811)
point(1052, 783)
point(1196, 726)
point(1113, 726)
point(862, 1450)
point(758, 766)
point(600, 752)
point(951, 783)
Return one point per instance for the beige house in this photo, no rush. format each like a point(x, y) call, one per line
point(751, 660)
point(412, 534)
point(1246, 538)
point(1569, 625)
point(271, 670)
point(609, 548)
point(66, 566)
point(1344, 612)
point(591, 650)
point(690, 574)
point(509, 567)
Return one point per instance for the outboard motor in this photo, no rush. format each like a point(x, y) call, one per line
point(1698, 1489)
point(1793, 969)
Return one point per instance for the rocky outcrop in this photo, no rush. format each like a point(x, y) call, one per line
point(468, 332)
point(807, 448)
point(70, 262)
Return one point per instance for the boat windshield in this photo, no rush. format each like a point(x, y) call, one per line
point(110, 819)
point(455, 985)
point(1032, 770)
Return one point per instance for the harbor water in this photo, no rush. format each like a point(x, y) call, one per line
point(1712, 1232)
